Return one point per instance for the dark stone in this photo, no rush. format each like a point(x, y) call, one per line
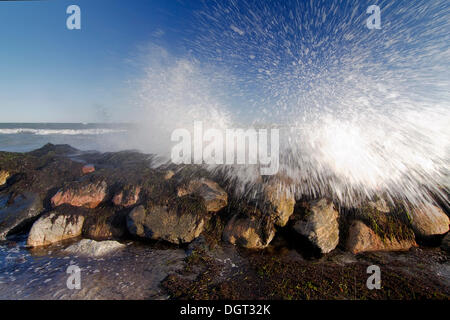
point(17, 211)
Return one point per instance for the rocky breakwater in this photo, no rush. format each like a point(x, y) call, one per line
point(50, 194)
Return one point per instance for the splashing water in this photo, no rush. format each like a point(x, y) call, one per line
point(362, 112)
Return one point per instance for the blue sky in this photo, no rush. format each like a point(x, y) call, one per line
point(51, 74)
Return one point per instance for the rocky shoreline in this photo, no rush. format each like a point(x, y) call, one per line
point(58, 193)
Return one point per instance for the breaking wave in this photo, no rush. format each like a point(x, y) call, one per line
point(44, 132)
point(365, 112)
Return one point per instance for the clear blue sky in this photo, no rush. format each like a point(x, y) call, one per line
point(51, 74)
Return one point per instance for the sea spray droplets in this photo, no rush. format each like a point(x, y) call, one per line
point(363, 112)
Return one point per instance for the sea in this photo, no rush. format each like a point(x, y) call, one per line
point(24, 137)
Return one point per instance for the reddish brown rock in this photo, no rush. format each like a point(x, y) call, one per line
point(88, 168)
point(429, 220)
point(363, 239)
point(127, 197)
point(81, 194)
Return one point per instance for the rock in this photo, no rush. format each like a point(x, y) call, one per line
point(127, 197)
point(445, 245)
point(81, 194)
point(428, 220)
point(17, 211)
point(215, 197)
point(379, 205)
point(281, 201)
point(92, 248)
point(104, 223)
point(363, 239)
point(54, 227)
point(88, 168)
point(4, 175)
point(180, 223)
point(169, 174)
point(249, 231)
point(58, 149)
point(319, 223)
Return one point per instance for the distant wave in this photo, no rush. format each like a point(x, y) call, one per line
point(44, 132)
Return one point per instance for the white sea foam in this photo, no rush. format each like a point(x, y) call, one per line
point(44, 132)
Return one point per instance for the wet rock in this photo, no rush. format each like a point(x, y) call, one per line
point(105, 223)
point(54, 227)
point(4, 175)
point(445, 245)
point(253, 231)
point(88, 168)
point(92, 248)
point(215, 197)
point(429, 220)
point(127, 197)
point(319, 223)
point(18, 210)
point(363, 239)
point(58, 149)
point(81, 194)
point(181, 222)
point(281, 202)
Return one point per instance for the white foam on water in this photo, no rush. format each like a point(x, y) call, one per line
point(44, 132)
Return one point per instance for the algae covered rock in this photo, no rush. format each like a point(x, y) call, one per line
point(180, 222)
point(361, 238)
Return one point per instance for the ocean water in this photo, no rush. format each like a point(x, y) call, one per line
point(23, 137)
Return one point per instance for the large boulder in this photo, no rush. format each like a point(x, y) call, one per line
point(105, 223)
point(361, 238)
point(429, 220)
point(88, 194)
point(54, 227)
point(318, 221)
point(249, 228)
point(92, 248)
point(280, 201)
point(178, 223)
point(4, 175)
point(17, 211)
point(127, 197)
point(215, 197)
